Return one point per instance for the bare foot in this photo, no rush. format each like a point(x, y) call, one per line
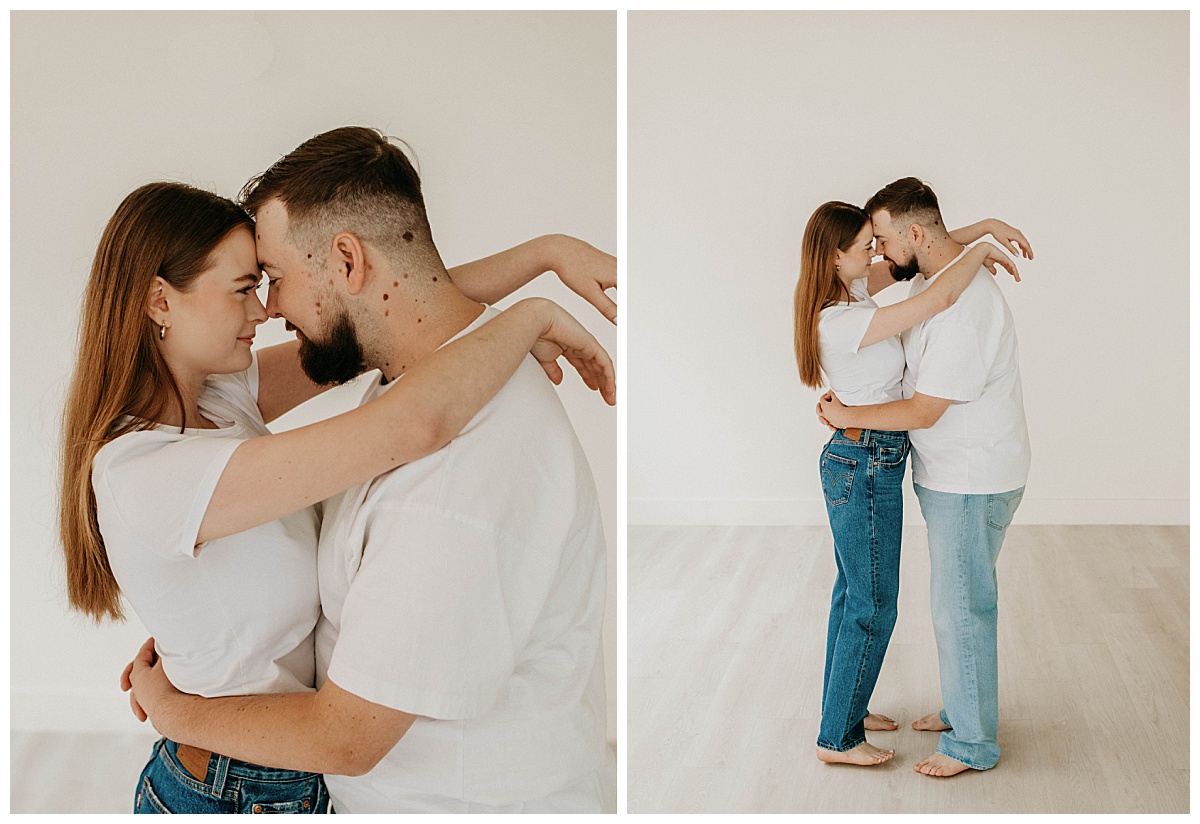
point(879, 723)
point(930, 723)
point(864, 755)
point(940, 766)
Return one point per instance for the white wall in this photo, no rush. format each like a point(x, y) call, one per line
point(1071, 126)
point(513, 119)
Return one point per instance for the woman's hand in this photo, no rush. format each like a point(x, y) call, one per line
point(832, 411)
point(586, 271)
point(565, 337)
point(995, 258)
point(146, 657)
point(1010, 238)
point(147, 685)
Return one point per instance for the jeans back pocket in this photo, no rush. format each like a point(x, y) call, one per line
point(837, 477)
point(1002, 507)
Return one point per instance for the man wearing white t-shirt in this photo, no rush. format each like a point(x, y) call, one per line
point(459, 659)
point(962, 403)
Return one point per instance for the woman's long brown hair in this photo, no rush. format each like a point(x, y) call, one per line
point(121, 381)
point(833, 226)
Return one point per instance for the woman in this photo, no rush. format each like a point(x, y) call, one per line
point(176, 494)
point(842, 333)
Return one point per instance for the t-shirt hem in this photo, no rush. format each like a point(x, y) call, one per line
point(952, 488)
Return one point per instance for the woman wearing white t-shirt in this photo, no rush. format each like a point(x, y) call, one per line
point(176, 495)
point(843, 334)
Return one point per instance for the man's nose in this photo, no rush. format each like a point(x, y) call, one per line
point(272, 303)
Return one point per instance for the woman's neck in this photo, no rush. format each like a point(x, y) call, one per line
point(190, 417)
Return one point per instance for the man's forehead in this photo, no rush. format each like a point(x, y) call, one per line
point(881, 223)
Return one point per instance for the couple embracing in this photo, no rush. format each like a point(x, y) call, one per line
point(428, 639)
point(935, 372)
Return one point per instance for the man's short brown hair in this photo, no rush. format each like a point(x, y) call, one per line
point(352, 179)
point(908, 201)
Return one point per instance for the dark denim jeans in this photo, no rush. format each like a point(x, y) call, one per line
point(862, 480)
point(165, 786)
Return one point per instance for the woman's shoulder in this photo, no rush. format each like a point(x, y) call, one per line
point(150, 438)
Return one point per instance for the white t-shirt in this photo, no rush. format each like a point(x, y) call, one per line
point(858, 376)
point(468, 588)
point(235, 615)
point(968, 354)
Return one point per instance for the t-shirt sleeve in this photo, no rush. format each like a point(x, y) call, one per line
point(958, 356)
point(158, 485)
point(842, 328)
point(424, 628)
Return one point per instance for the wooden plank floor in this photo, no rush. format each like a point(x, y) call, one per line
point(726, 652)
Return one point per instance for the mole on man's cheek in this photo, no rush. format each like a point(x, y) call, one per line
point(408, 236)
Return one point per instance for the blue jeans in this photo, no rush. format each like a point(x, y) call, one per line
point(965, 534)
point(166, 786)
point(862, 481)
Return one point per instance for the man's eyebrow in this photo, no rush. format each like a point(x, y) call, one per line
point(262, 264)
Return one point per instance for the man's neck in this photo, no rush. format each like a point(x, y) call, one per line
point(415, 323)
point(938, 256)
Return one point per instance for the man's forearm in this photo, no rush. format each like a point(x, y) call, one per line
point(497, 276)
point(284, 731)
point(897, 416)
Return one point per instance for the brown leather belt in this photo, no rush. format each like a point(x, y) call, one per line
point(852, 434)
point(194, 760)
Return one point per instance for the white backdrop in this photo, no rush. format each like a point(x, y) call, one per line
point(513, 120)
point(1071, 126)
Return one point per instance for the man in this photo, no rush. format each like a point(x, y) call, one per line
point(962, 390)
point(459, 662)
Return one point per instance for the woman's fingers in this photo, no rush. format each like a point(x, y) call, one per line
point(604, 303)
point(138, 712)
point(553, 371)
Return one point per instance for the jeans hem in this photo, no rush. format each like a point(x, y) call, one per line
point(846, 748)
point(945, 750)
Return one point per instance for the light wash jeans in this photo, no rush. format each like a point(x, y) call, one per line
point(965, 534)
point(863, 484)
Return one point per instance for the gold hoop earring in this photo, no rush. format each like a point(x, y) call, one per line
point(162, 332)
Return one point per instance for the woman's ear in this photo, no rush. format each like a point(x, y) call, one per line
point(350, 257)
point(158, 304)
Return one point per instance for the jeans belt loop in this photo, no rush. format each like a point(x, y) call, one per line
point(221, 774)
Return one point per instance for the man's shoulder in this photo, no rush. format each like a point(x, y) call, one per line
point(979, 302)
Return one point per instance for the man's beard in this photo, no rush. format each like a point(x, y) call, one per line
point(335, 360)
point(904, 272)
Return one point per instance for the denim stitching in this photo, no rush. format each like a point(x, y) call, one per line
point(848, 473)
point(183, 776)
point(152, 799)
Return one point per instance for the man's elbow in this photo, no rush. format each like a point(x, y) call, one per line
point(352, 759)
point(928, 416)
